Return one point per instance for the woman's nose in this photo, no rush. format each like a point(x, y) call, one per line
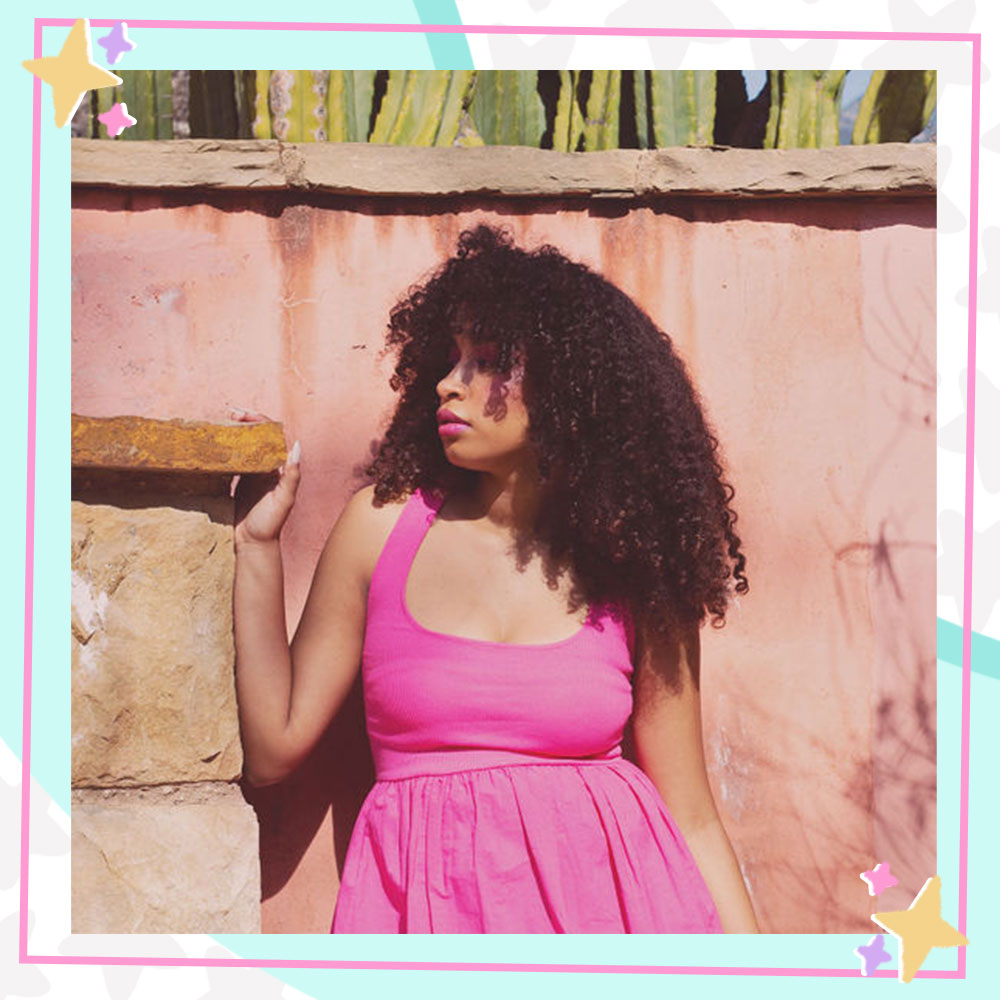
point(453, 382)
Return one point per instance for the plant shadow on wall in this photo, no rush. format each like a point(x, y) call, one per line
point(898, 573)
point(564, 110)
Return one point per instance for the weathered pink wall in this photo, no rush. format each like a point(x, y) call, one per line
point(809, 327)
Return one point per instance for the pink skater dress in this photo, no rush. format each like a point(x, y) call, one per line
point(502, 802)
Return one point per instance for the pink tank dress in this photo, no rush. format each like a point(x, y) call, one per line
point(502, 803)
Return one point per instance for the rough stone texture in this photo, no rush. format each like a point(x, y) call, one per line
point(152, 653)
point(170, 860)
point(138, 443)
point(363, 168)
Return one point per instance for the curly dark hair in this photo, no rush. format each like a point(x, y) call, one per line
point(632, 496)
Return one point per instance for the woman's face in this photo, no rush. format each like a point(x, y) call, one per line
point(475, 430)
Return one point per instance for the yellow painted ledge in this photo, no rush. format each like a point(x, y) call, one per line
point(176, 446)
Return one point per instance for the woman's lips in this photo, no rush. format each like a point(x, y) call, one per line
point(450, 424)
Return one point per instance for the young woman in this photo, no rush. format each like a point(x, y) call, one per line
point(523, 580)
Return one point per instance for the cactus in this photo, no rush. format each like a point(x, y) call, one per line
point(349, 105)
point(600, 129)
point(683, 104)
point(506, 108)
point(456, 103)
point(466, 108)
point(805, 108)
point(568, 128)
point(422, 108)
point(106, 97)
point(641, 78)
point(262, 105)
point(896, 106)
point(148, 95)
point(298, 104)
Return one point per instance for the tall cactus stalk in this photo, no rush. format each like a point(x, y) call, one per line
point(507, 109)
point(805, 108)
point(148, 95)
point(298, 104)
point(896, 106)
point(683, 104)
point(568, 128)
point(600, 129)
point(456, 104)
point(106, 97)
point(422, 108)
point(262, 105)
point(470, 108)
point(349, 105)
point(643, 136)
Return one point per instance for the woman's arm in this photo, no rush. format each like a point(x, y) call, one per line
point(288, 695)
point(667, 732)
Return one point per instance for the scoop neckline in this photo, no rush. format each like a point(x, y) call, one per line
point(469, 640)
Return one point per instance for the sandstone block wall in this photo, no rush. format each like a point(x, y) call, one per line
point(163, 840)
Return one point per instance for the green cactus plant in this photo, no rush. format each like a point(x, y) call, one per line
point(642, 130)
point(350, 104)
point(506, 108)
point(106, 97)
point(148, 96)
point(469, 108)
point(568, 127)
point(297, 100)
point(896, 106)
point(261, 127)
point(423, 108)
point(683, 106)
point(600, 128)
point(805, 108)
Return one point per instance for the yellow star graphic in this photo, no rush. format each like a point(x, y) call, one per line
point(71, 73)
point(919, 928)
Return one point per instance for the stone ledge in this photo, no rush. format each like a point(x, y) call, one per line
point(151, 655)
point(139, 444)
point(882, 169)
point(142, 866)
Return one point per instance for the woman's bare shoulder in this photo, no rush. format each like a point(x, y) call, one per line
point(370, 525)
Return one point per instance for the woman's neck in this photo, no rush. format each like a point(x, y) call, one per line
point(505, 504)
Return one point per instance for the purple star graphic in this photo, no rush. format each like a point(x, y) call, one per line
point(879, 879)
point(116, 119)
point(116, 43)
point(872, 955)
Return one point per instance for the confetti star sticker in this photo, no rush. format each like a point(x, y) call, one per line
point(879, 879)
point(919, 928)
point(71, 73)
point(116, 119)
point(116, 43)
point(872, 955)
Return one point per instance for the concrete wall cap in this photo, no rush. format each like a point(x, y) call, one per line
point(398, 171)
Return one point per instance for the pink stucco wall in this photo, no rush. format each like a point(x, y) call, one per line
point(809, 327)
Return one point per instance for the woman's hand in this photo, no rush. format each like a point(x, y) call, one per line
point(263, 503)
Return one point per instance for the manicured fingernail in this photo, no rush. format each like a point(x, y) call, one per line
point(293, 455)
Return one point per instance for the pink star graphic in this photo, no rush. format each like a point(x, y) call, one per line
point(879, 878)
point(117, 119)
